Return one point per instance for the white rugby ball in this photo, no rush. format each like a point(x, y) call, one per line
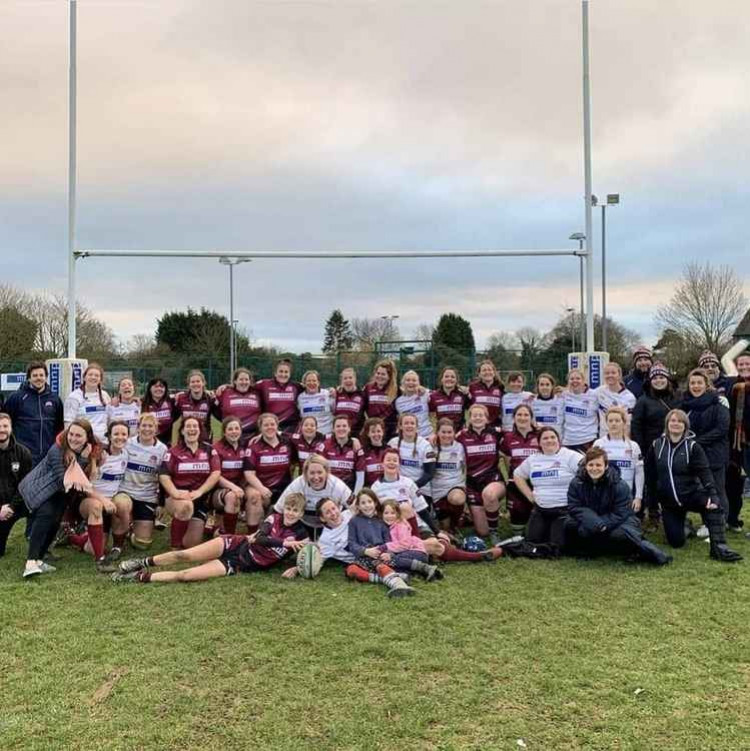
point(309, 561)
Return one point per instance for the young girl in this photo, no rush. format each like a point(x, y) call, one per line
point(128, 408)
point(342, 451)
point(448, 485)
point(370, 457)
point(487, 389)
point(449, 400)
point(380, 395)
point(581, 421)
point(231, 491)
point(623, 453)
point(417, 453)
point(513, 396)
point(612, 393)
point(308, 440)
point(157, 401)
point(547, 405)
point(279, 396)
point(483, 486)
point(196, 402)
point(316, 402)
point(89, 401)
point(415, 400)
point(350, 400)
point(241, 400)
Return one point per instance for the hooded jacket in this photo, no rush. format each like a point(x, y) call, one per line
point(709, 420)
point(678, 472)
point(594, 506)
point(37, 418)
point(649, 414)
point(635, 380)
point(15, 464)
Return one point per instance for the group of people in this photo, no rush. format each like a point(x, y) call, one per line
point(386, 479)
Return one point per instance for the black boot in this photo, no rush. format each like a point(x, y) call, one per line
point(430, 573)
point(720, 551)
point(653, 554)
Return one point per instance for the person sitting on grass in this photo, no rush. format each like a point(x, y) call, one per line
point(601, 518)
point(226, 555)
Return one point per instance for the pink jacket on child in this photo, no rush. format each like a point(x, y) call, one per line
point(403, 539)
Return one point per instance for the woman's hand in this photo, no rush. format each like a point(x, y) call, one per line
point(372, 553)
point(290, 573)
point(266, 493)
point(6, 512)
point(108, 507)
point(295, 545)
point(386, 557)
point(636, 505)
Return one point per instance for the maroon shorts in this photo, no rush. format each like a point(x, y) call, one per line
point(236, 557)
point(519, 507)
point(475, 486)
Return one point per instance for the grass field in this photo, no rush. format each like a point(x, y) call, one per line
point(555, 655)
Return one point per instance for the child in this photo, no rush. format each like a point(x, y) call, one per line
point(404, 550)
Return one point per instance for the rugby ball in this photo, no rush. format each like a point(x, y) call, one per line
point(309, 561)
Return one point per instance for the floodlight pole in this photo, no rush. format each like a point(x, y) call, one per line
point(589, 345)
point(72, 181)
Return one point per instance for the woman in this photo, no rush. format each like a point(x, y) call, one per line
point(140, 483)
point(709, 420)
point(514, 395)
point(380, 395)
point(196, 402)
point(279, 396)
point(127, 407)
point(158, 402)
point(449, 400)
point(316, 402)
point(315, 483)
point(448, 485)
point(341, 451)
point(581, 426)
point(350, 400)
point(231, 491)
point(417, 454)
point(268, 468)
point(547, 405)
point(612, 393)
point(188, 474)
point(241, 400)
point(543, 479)
point(280, 535)
point(370, 457)
point(600, 513)
point(89, 401)
point(623, 454)
point(739, 432)
point(487, 389)
point(517, 445)
point(53, 485)
point(415, 400)
point(483, 487)
point(308, 440)
point(682, 481)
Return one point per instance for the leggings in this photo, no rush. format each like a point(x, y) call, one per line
point(673, 519)
point(547, 525)
point(45, 522)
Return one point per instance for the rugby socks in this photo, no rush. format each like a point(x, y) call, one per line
point(96, 539)
point(493, 517)
point(456, 554)
point(177, 531)
point(353, 571)
point(230, 523)
point(79, 541)
point(144, 577)
point(119, 540)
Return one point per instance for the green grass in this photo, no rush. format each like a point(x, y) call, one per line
point(564, 655)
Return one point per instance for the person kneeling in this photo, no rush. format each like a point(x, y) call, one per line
point(601, 519)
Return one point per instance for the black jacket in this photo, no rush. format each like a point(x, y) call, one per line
point(596, 505)
point(37, 418)
point(635, 380)
point(709, 420)
point(15, 464)
point(678, 472)
point(649, 414)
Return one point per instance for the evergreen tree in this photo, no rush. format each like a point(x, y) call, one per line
point(454, 332)
point(338, 333)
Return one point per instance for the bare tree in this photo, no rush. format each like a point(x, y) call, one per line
point(707, 303)
point(368, 332)
point(425, 332)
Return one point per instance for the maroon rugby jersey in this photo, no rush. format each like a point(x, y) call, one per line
point(377, 405)
point(280, 400)
point(164, 411)
point(488, 396)
point(272, 465)
point(268, 547)
point(186, 406)
point(451, 405)
point(190, 470)
point(232, 460)
point(514, 445)
point(342, 460)
point(350, 404)
point(370, 461)
point(246, 407)
point(305, 449)
point(481, 451)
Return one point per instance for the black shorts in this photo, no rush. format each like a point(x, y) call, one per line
point(201, 507)
point(475, 486)
point(144, 512)
point(236, 559)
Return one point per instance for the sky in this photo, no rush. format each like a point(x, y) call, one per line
point(364, 125)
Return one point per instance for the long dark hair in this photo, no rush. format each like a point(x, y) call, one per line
point(148, 400)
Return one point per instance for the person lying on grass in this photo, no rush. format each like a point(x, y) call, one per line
point(226, 555)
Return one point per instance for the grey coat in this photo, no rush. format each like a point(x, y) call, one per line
point(46, 478)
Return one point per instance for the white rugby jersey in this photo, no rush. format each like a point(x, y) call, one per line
point(141, 480)
point(320, 406)
point(413, 456)
point(419, 406)
point(335, 489)
point(333, 540)
point(509, 403)
point(549, 413)
point(111, 472)
point(607, 399)
point(450, 470)
point(90, 407)
point(626, 456)
point(550, 476)
point(581, 420)
point(128, 413)
point(402, 490)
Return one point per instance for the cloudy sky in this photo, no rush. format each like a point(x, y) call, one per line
point(356, 124)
